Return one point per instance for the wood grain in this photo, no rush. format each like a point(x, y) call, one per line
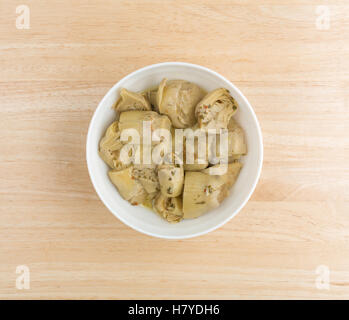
point(296, 78)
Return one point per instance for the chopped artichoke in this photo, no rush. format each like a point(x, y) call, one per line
point(169, 208)
point(110, 145)
point(129, 187)
point(134, 120)
point(236, 137)
point(150, 95)
point(147, 176)
point(177, 99)
point(202, 192)
point(229, 172)
point(131, 101)
point(193, 153)
point(215, 109)
point(171, 178)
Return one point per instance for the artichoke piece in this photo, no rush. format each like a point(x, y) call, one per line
point(134, 120)
point(194, 151)
point(178, 99)
point(118, 164)
point(202, 192)
point(232, 125)
point(171, 178)
point(195, 166)
point(151, 95)
point(148, 178)
point(169, 208)
point(110, 145)
point(215, 109)
point(236, 144)
point(129, 188)
point(233, 173)
point(229, 173)
point(131, 101)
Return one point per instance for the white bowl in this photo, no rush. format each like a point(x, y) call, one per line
point(144, 220)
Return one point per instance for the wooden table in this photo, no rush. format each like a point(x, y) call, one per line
point(293, 66)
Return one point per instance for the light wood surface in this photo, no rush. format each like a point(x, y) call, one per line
point(296, 77)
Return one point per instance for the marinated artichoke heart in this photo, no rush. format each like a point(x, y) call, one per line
point(131, 101)
point(134, 120)
point(171, 178)
point(178, 99)
point(236, 140)
point(129, 187)
point(110, 146)
point(233, 173)
point(236, 145)
point(193, 152)
point(229, 172)
point(169, 208)
point(150, 95)
point(148, 178)
point(202, 192)
point(215, 109)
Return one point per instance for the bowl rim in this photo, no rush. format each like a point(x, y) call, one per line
point(260, 142)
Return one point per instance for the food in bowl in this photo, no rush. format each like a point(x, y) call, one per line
point(174, 148)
